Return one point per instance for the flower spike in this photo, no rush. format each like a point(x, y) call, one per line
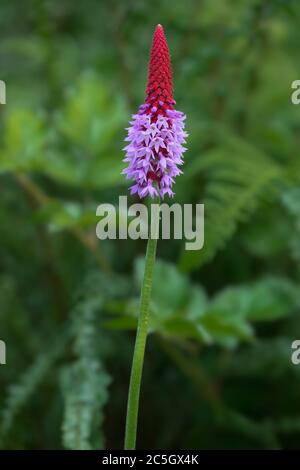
point(156, 135)
point(160, 84)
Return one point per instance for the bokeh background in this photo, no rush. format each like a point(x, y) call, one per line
point(218, 371)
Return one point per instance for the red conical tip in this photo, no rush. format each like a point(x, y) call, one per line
point(160, 86)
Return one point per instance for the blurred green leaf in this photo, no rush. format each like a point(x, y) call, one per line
point(24, 141)
point(224, 319)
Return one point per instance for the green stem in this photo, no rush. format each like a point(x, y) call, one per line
point(141, 337)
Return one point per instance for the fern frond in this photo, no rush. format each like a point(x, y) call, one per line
point(84, 382)
point(237, 176)
point(19, 394)
point(85, 391)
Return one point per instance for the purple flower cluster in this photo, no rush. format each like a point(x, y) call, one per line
point(155, 149)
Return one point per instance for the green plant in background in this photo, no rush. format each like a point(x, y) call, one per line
point(221, 322)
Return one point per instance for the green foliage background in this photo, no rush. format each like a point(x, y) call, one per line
point(218, 372)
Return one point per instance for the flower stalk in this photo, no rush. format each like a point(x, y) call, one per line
point(141, 337)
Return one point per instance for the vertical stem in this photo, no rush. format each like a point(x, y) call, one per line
point(141, 337)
